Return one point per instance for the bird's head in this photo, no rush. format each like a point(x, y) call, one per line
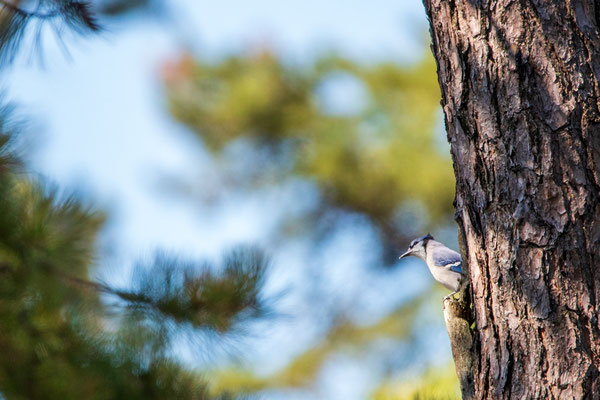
point(417, 247)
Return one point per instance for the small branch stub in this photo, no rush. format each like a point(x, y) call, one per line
point(456, 317)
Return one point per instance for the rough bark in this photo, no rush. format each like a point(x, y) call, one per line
point(520, 93)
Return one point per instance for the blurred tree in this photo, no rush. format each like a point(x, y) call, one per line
point(436, 383)
point(371, 152)
point(348, 337)
point(58, 338)
point(55, 340)
point(365, 135)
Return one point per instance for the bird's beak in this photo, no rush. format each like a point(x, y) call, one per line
point(408, 253)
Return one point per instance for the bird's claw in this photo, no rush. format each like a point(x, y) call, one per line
point(450, 295)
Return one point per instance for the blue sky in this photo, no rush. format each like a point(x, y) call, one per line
point(102, 127)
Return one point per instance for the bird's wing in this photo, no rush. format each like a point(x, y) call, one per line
point(448, 259)
point(456, 267)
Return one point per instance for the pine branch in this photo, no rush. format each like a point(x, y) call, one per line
point(171, 291)
point(10, 160)
point(198, 294)
point(15, 20)
point(77, 9)
point(29, 14)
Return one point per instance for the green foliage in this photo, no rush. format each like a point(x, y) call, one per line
point(172, 291)
point(58, 339)
point(255, 96)
point(55, 341)
point(371, 160)
point(434, 384)
point(343, 336)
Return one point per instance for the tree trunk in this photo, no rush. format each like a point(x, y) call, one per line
point(521, 93)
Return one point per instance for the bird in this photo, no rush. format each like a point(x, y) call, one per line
point(444, 263)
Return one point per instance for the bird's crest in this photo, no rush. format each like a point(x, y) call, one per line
point(424, 238)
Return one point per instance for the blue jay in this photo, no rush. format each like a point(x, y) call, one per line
point(444, 263)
